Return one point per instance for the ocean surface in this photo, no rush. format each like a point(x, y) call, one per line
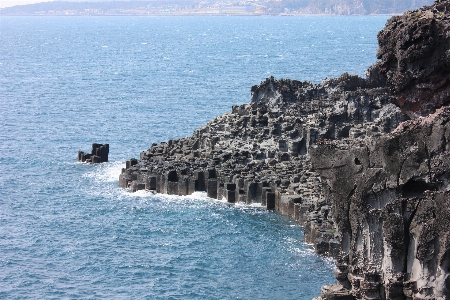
point(68, 231)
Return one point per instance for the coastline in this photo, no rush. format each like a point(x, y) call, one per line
point(182, 14)
point(300, 149)
point(193, 8)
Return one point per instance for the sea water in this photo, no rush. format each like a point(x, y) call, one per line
point(67, 230)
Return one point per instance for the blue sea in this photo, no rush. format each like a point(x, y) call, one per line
point(68, 231)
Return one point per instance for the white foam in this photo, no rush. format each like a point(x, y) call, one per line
point(202, 195)
point(140, 193)
point(106, 172)
point(256, 204)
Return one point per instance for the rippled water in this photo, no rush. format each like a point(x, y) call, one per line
point(68, 231)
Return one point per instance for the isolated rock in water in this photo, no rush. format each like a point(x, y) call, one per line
point(99, 154)
point(415, 58)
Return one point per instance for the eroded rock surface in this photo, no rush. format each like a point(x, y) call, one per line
point(415, 57)
point(262, 148)
point(391, 198)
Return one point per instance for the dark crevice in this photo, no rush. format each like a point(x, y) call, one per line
point(417, 188)
point(400, 172)
point(428, 163)
point(345, 133)
point(352, 192)
point(172, 176)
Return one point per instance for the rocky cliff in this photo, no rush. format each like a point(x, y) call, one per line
point(415, 58)
point(361, 163)
point(263, 147)
point(391, 193)
point(391, 197)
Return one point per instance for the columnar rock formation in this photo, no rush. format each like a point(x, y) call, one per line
point(99, 154)
point(367, 179)
point(261, 149)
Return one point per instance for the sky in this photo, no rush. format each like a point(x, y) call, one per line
point(9, 3)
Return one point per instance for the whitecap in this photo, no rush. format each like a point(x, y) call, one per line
point(106, 172)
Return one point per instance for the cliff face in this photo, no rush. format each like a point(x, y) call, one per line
point(367, 179)
point(391, 199)
point(391, 193)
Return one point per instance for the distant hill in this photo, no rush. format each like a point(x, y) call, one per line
point(218, 7)
point(362, 7)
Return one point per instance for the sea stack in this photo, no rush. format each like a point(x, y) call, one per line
point(362, 163)
point(99, 154)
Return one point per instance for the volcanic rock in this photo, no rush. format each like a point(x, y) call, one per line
point(99, 154)
point(362, 163)
point(415, 57)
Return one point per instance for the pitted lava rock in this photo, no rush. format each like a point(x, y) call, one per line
point(415, 58)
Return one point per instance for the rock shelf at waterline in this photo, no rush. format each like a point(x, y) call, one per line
point(362, 163)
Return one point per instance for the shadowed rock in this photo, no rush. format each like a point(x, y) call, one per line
point(99, 154)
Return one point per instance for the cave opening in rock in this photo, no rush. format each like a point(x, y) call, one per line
point(345, 132)
point(416, 188)
point(172, 176)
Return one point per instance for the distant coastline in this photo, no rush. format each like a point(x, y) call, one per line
point(205, 8)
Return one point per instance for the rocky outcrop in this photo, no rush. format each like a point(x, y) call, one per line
point(390, 194)
point(367, 179)
point(391, 197)
point(99, 154)
point(415, 57)
point(259, 153)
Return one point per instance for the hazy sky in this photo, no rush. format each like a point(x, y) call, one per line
point(8, 3)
